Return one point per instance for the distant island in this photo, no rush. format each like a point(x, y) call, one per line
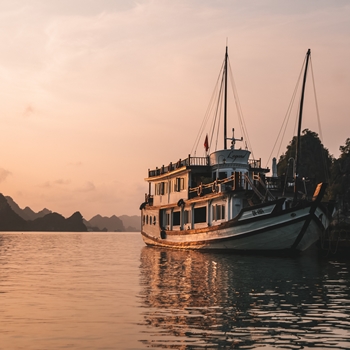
point(13, 218)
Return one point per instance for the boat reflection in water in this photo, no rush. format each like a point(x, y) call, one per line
point(197, 300)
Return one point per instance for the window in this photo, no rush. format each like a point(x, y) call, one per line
point(157, 189)
point(168, 219)
point(161, 188)
point(200, 215)
point(179, 184)
point(170, 187)
point(218, 212)
point(176, 218)
point(187, 217)
point(222, 175)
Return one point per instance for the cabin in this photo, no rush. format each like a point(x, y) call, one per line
point(198, 192)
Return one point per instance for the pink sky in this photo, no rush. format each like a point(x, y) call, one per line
point(93, 93)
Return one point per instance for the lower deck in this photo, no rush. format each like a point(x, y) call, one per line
point(206, 212)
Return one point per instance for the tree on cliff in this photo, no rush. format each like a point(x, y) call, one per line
point(315, 161)
point(340, 176)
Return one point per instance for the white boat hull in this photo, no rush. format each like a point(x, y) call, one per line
point(294, 229)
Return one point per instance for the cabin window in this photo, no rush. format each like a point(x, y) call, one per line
point(154, 220)
point(144, 219)
point(147, 219)
point(161, 218)
point(200, 215)
point(179, 184)
point(176, 218)
point(218, 212)
point(222, 175)
point(161, 188)
point(170, 187)
point(187, 217)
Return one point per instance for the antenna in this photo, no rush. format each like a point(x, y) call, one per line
point(233, 140)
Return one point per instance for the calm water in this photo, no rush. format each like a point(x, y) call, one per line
point(109, 291)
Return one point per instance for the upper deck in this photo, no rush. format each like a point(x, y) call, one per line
point(221, 159)
point(174, 167)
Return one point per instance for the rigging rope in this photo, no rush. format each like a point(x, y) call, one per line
point(215, 110)
point(316, 103)
point(207, 115)
point(326, 170)
point(286, 119)
point(239, 112)
point(217, 114)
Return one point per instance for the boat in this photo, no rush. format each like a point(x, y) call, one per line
point(222, 201)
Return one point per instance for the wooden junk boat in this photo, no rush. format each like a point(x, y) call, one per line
point(221, 202)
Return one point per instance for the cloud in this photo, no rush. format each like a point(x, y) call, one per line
point(62, 182)
point(46, 184)
point(52, 184)
point(88, 187)
point(28, 111)
point(4, 174)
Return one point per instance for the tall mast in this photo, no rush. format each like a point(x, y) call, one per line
point(297, 155)
point(225, 102)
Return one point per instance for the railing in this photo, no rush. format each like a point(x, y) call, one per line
point(192, 161)
point(189, 161)
point(198, 161)
point(255, 163)
point(233, 182)
point(237, 181)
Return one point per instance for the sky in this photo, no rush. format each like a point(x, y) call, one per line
point(96, 92)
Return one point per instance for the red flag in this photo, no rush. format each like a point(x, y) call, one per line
point(206, 143)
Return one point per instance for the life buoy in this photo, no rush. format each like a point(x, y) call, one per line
point(143, 205)
point(180, 203)
point(215, 186)
point(199, 190)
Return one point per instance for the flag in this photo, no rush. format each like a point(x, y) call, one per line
point(206, 143)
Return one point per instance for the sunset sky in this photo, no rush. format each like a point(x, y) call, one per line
point(95, 92)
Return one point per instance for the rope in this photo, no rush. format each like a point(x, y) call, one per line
point(326, 170)
point(215, 110)
point(217, 113)
point(207, 114)
point(286, 118)
point(239, 111)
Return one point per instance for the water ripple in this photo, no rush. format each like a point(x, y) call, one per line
point(217, 301)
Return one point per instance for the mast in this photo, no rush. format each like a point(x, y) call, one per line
point(297, 155)
point(225, 101)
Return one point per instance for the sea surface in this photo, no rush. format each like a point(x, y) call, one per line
point(110, 291)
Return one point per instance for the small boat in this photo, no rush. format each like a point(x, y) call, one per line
point(221, 201)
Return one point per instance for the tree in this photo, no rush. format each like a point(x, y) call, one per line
point(340, 177)
point(314, 161)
